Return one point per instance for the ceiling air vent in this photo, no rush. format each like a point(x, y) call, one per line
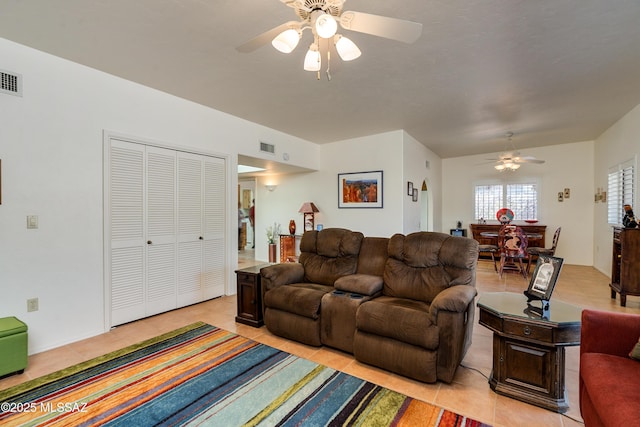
point(10, 83)
point(267, 148)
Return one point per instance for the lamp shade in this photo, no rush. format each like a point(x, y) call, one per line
point(326, 26)
point(347, 49)
point(312, 60)
point(308, 207)
point(286, 41)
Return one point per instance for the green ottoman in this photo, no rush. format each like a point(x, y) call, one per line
point(13, 346)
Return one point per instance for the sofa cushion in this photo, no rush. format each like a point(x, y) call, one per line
point(373, 255)
point(364, 284)
point(301, 298)
point(612, 385)
point(423, 264)
point(329, 254)
point(398, 318)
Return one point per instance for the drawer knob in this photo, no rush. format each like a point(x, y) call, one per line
point(527, 330)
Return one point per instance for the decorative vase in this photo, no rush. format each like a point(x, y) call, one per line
point(272, 252)
point(292, 227)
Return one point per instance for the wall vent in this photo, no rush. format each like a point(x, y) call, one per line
point(10, 83)
point(267, 148)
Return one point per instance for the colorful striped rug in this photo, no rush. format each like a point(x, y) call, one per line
point(203, 375)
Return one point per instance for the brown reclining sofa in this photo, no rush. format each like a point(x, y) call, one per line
point(404, 304)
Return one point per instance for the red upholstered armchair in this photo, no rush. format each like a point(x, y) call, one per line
point(609, 378)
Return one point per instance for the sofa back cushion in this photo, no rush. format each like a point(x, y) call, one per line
point(373, 256)
point(329, 254)
point(423, 264)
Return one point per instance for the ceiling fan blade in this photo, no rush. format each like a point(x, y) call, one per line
point(381, 26)
point(266, 37)
point(527, 160)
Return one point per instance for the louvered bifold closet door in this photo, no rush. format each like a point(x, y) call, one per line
point(127, 249)
point(190, 235)
point(214, 227)
point(161, 230)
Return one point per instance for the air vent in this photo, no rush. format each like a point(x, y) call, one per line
point(10, 83)
point(267, 148)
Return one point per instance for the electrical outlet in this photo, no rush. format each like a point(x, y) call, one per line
point(32, 221)
point(32, 304)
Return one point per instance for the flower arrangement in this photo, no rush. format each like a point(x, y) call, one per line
point(272, 232)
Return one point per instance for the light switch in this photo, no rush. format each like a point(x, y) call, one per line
point(32, 221)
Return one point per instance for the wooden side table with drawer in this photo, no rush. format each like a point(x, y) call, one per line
point(250, 296)
point(528, 349)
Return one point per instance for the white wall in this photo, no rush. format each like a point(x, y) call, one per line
point(51, 146)
point(415, 170)
point(621, 142)
point(566, 166)
point(370, 153)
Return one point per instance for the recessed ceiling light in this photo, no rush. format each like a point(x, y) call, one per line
point(247, 169)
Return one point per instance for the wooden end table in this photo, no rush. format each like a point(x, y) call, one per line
point(529, 350)
point(250, 296)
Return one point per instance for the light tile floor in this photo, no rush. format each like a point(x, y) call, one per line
point(468, 394)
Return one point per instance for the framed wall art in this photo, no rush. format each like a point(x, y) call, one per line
point(415, 195)
point(409, 188)
point(360, 190)
point(544, 278)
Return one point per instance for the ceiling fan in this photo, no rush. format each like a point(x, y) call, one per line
point(511, 160)
point(322, 18)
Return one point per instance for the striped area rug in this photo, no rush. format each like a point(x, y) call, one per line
point(204, 375)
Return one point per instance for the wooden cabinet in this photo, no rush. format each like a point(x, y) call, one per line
point(535, 234)
point(250, 296)
point(289, 246)
point(625, 268)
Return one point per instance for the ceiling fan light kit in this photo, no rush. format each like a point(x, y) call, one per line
point(287, 40)
point(326, 26)
point(510, 167)
point(312, 60)
point(347, 49)
point(322, 18)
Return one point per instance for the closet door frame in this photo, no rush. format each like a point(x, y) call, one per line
point(230, 255)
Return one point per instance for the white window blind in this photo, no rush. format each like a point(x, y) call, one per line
point(521, 198)
point(488, 201)
point(620, 190)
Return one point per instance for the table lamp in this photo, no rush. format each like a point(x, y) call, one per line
point(308, 210)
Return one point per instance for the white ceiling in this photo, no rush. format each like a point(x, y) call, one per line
point(551, 71)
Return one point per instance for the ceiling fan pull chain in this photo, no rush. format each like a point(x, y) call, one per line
point(329, 65)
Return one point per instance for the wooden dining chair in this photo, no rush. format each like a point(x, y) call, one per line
point(491, 250)
point(512, 242)
point(535, 252)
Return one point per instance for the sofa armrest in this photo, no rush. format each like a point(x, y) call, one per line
point(455, 299)
point(363, 284)
point(281, 274)
point(608, 332)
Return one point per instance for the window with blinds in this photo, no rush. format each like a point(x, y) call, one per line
point(620, 190)
point(521, 198)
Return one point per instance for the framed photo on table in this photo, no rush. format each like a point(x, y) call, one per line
point(360, 190)
point(544, 278)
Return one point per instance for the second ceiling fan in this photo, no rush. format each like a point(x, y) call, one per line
point(511, 160)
